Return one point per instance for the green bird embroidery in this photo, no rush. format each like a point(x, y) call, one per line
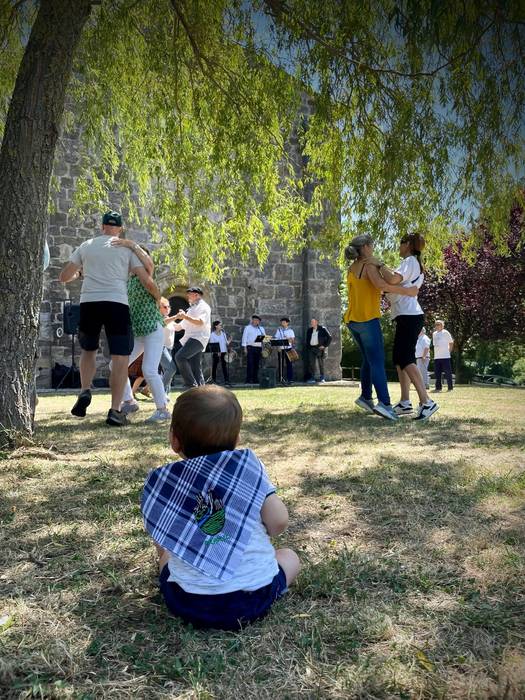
point(209, 513)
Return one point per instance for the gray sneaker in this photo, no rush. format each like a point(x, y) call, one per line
point(129, 407)
point(385, 411)
point(160, 415)
point(366, 404)
point(116, 418)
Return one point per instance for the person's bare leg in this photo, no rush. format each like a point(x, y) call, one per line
point(415, 377)
point(289, 563)
point(88, 367)
point(404, 383)
point(163, 555)
point(118, 379)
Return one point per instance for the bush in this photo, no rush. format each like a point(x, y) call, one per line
point(518, 371)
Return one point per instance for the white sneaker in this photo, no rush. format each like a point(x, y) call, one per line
point(425, 411)
point(403, 409)
point(366, 404)
point(385, 411)
point(129, 407)
point(160, 415)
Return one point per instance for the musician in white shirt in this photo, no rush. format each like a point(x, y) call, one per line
point(284, 332)
point(252, 349)
point(219, 337)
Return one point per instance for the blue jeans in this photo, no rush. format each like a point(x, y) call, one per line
point(369, 337)
point(169, 367)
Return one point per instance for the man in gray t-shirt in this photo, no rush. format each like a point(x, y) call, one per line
point(105, 269)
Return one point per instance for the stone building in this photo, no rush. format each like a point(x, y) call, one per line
point(300, 288)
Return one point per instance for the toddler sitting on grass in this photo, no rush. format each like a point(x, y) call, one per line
point(211, 516)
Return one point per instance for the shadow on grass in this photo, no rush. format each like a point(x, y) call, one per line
point(327, 426)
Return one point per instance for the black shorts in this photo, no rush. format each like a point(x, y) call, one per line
point(116, 321)
point(407, 330)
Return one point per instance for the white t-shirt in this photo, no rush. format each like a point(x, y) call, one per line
point(412, 277)
point(283, 333)
point(250, 333)
point(221, 339)
point(314, 340)
point(257, 568)
point(423, 342)
point(169, 334)
point(201, 332)
point(105, 269)
point(440, 341)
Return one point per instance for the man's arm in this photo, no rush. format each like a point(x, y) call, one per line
point(274, 515)
point(183, 316)
point(69, 272)
point(147, 282)
point(379, 283)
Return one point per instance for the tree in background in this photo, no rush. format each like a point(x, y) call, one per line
point(480, 299)
point(186, 106)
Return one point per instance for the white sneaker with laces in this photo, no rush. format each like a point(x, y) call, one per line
point(160, 415)
point(425, 411)
point(403, 409)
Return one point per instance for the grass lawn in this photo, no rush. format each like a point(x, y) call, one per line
point(412, 539)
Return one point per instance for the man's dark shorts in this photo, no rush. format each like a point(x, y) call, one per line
point(116, 321)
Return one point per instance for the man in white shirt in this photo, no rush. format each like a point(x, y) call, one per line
point(104, 302)
point(284, 332)
point(423, 355)
point(443, 343)
point(252, 349)
point(196, 322)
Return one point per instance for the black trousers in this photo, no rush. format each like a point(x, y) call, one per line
point(215, 358)
point(440, 366)
point(253, 359)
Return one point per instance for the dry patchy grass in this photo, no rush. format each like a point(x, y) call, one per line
point(412, 539)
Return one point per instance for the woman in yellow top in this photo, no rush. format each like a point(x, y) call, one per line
point(365, 285)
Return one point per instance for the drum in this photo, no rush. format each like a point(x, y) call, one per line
point(230, 356)
point(292, 355)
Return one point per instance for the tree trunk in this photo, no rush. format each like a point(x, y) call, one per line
point(458, 363)
point(26, 162)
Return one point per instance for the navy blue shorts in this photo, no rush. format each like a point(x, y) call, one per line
point(225, 611)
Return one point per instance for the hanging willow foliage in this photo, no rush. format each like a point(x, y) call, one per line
point(408, 114)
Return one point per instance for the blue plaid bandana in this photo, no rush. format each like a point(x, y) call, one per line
point(203, 510)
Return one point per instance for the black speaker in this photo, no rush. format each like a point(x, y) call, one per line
point(268, 378)
point(71, 318)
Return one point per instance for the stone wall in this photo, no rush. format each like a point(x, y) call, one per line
point(300, 287)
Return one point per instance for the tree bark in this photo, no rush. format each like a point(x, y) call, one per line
point(26, 162)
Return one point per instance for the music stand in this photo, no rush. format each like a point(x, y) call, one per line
point(280, 345)
point(73, 368)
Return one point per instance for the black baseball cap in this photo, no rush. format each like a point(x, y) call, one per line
point(195, 290)
point(112, 218)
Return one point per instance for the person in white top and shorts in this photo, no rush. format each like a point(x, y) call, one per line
point(409, 319)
